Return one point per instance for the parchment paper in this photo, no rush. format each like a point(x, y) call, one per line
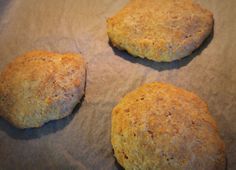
point(82, 140)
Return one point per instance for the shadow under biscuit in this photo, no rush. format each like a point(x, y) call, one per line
point(116, 163)
point(118, 166)
point(226, 163)
point(162, 66)
point(3, 6)
point(48, 128)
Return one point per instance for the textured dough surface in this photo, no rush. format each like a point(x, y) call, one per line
point(160, 126)
point(160, 30)
point(41, 86)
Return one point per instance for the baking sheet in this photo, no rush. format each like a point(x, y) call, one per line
point(82, 140)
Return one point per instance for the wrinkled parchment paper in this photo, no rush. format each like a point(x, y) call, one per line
point(82, 140)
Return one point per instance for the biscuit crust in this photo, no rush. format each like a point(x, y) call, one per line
point(160, 30)
point(160, 126)
point(41, 86)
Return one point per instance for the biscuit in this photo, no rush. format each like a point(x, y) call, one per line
point(160, 30)
point(160, 126)
point(41, 86)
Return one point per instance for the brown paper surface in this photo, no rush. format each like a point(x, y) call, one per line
point(82, 140)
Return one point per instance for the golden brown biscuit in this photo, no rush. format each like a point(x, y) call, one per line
point(41, 86)
point(160, 126)
point(160, 30)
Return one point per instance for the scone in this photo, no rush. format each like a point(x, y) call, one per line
point(160, 30)
point(162, 127)
point(41, 86)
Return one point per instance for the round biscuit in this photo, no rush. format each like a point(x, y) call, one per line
point(160, 30)
point(160, 126)
point(41, 86)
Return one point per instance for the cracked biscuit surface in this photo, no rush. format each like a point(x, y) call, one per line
point(160, 30)
point(159, 126)
point(41, 86)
